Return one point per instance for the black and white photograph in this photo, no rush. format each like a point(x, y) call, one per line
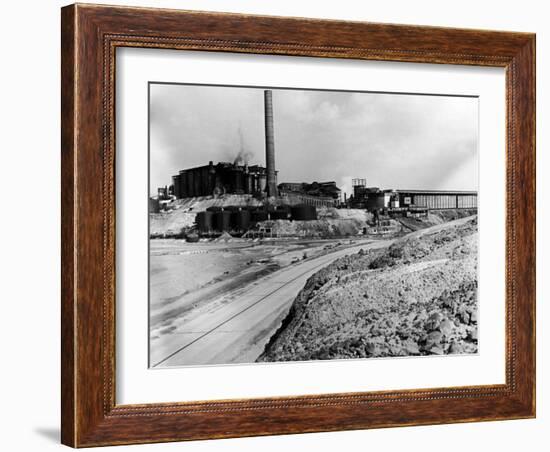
point(291, 225)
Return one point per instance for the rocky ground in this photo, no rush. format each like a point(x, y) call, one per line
point(435, 217)
point(331, 222)
point(417, 297)
point(181, 213)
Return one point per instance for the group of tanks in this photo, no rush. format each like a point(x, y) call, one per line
point(238, 220)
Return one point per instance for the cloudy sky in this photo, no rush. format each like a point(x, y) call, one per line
point(391, 140)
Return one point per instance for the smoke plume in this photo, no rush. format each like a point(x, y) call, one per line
point(243, 156)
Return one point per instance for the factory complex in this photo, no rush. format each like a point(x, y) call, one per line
point(291, 201)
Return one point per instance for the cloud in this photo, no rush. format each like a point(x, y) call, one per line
point(394, 141)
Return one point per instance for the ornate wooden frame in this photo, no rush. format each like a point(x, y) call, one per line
point(90, 35)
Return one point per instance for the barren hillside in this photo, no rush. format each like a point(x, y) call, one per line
point(182, 212)
point(332, 222)
point(417, 297)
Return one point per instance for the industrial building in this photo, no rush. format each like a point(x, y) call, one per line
point(294, 201)
point(372, 198)
point(236, 178)
point(221, 178)
point(438, 199)
point(233, 178)
point(319, 189)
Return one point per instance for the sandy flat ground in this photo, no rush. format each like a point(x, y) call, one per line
point(185, 275)
point(220, 303)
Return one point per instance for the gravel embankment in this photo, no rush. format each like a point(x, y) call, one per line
point(418, 297)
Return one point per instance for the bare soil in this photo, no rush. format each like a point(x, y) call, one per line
point(331, 222)
point(184, 276)
point(182, 212)
point(418, 297)
point(435, 217)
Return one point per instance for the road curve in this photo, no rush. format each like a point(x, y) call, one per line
point(236, 331)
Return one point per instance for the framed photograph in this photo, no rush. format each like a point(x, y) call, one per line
point(281, 225)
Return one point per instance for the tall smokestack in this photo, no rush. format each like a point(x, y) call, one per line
point(271, 186)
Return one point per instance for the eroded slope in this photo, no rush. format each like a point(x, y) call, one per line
point(417, 297)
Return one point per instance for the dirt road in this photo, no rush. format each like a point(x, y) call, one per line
point(236, 328)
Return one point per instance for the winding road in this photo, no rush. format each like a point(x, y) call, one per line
point(236, 329)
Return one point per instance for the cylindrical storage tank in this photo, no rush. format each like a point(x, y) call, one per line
point(303, 212)
point(259, 215)
point(240, 219)
point(205, 221)
point(191, 184)
point(248, 183)
point(262, 182)
point(176, 185)
point(285, 208)
point(375, 201)
point(222, 220)
point(280, 213)
point(197, 182)
point(154, 206)
point(205, 182)
point(184, 189)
